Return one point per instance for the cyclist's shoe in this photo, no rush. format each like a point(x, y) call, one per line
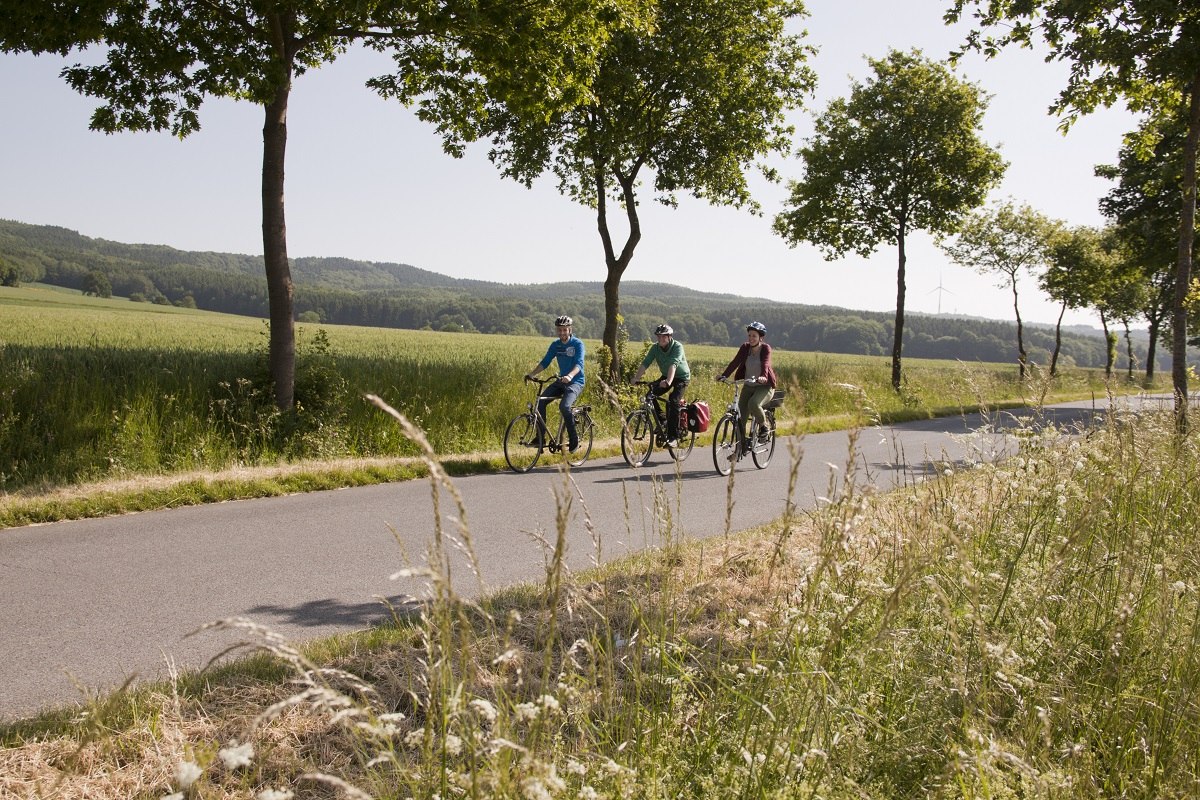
point(572, 447)
point(764, 436)
point(672, 442)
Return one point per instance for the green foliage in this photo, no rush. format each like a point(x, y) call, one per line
point(96, 283)
point(693, 102)
point(1144, 53)
point(901, 154)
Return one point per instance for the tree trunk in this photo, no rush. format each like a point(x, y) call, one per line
point(1022, 357)
point(616, 264)
point(282, 356)
point(1109, 355)
point(1057, 341)
point(1152, 346)
point(1187, 232)
point(898, 339)
point(1129, 351)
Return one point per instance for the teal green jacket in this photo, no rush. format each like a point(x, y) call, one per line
point(665, 358)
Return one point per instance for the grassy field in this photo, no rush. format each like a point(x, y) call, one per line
point(1029, 629)
point(103, 402)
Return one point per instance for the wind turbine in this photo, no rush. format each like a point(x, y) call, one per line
point(940, 290)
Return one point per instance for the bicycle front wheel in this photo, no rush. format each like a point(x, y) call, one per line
point(724, 445)
point(521, 447)
point(586, 432)
point(637, 437)
point(762, 451)
point(683, 449)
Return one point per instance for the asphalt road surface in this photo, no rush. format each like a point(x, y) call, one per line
point(88, 604)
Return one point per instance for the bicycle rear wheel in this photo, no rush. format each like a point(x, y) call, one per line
point(637, 437)
point(686, 441)
point(586, 432)
point(521, 449)
point(762, 451)
point(724, 444)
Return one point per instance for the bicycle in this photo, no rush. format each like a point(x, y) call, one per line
point(726, 449)
point(527, 435)
point(646, 427)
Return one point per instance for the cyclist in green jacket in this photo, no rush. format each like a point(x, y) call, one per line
point(668, 355)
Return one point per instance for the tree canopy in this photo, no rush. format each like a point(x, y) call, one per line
point(1145, 53)
point(1005, 241)
point(903, 153)
point(689, 105)
point(163, 59)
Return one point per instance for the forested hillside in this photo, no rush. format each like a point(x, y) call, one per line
point(344, 291)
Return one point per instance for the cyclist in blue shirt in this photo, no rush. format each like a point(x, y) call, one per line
point(567, 349)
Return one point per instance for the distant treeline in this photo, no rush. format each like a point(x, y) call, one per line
point(346, 292)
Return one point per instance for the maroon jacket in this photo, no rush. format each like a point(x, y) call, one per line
point(738, 365)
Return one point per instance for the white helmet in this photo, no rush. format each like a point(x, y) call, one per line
point(662, 330)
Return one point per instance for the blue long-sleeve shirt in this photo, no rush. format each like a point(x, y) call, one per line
point(569, 355)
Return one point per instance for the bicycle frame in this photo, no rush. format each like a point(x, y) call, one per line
point(528, 435)
point(645, 428)
point(727, 440)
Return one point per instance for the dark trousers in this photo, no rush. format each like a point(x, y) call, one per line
point(569, 392)
point(674, 401)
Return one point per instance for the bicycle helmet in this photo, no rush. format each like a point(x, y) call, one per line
point(664, 330)
point(563, 320)
point(757, 326)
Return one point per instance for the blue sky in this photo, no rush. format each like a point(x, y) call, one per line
point(366, 180)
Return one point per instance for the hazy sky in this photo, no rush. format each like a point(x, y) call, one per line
point(366, 180)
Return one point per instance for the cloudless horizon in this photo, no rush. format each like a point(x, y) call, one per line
point(366, 180)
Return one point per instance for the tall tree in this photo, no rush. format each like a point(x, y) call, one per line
point(1078, 267)
point(902, 154)
point(689, 106)
point(1144, 208)
point(1143, 52)
point(1006, 241)
point(163, 59)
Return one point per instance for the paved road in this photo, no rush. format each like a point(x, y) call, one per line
point(89, 603)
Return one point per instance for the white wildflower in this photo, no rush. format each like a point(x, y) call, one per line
point(453, 744)
point(525, 711)
point(505, 657)
point(187, 773)
point(575, 768)
point(173, 796)
point(1179, 586)
point(484, 709)
point(274, 794)
point(588, 793)
point(415, 738)
point(534, 789)
point(549, 702)
point(236, 755)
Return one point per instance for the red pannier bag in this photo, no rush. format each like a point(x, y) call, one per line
point(698, 415)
